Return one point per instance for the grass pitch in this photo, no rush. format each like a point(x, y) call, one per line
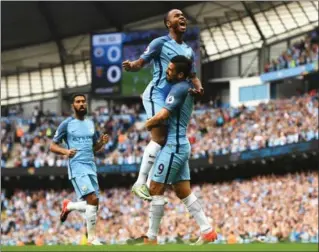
point(132, 88)
point(172, 247)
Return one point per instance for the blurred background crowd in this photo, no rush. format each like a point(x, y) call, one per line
point(302, 52)
point(212, 131)
point(265, 208)
point(232, 41)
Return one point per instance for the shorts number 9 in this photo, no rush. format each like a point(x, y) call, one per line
point(160, 169)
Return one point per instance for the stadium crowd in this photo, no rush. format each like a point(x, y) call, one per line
point(6, 141)
point(223, 131)
point(212, 131)
point(266, 208)
point(303, 52)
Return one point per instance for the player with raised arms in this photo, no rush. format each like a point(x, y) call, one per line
point(82, 141)
point(161, 50)
point(171, 166)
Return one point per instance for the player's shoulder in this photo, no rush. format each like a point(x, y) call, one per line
point(186, 45)
point(67, 120)
point(184, 84)
point(161, 40)
point(89, 121)
point(182, 87)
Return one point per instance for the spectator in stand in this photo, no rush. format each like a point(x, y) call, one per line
point(266, 208)
point(211, 132)
point(301, 53)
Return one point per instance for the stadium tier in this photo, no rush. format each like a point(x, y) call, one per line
point(211, 132)
point(302, 52)
point(266, 208)
point(180, 124)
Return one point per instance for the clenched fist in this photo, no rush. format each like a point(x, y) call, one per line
point(195, 92)
point(71, 153)
point(127, 65)
point(104, 138)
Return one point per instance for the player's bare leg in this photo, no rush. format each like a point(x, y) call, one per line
point(183, 191)
point(158, 140)
point(91, 216)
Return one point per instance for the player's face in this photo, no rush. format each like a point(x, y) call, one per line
point(171, 74)
point(177, 21)
point(80, 106)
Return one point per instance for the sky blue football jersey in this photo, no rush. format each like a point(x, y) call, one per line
point(180, 103)
point(79, 135)
point(161, 50)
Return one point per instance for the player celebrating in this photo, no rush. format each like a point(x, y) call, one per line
point(172, 166)
point(81, 139)
point(161, 50)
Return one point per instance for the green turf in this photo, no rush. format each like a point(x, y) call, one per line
point(144, 77)
point(220, 247)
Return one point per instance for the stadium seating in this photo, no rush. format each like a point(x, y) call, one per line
point(211, 132)
point(269, 208)
point(300, 53)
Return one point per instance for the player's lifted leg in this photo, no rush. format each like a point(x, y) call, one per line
point(68, 207)
point(155, 94)
point(140, 188)
point(172, 166)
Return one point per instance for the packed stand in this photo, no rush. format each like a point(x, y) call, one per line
point(276, 123)
point(35, 138)
point(212, 131)
point(268, 209)
point(224, 131)
point(301, 53)
point(6, 141)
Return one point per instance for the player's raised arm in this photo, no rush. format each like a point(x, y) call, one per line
point(150, 53)
point(99, 143)
point(198, 88)
point(133, 66)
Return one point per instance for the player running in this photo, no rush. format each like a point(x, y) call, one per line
point(82, 142)
point(171, 166)
point(161, 50)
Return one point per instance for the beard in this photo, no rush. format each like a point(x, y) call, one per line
point(81, 112)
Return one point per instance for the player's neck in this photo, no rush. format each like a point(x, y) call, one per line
point(178, 37)
point(79, 117)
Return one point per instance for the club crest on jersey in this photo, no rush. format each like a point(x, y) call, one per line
point(92, 130)
point(170, 99)
point(84, 188)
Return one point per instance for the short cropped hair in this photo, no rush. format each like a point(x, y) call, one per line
point(76, 95)
point(182, 64)
point(166, 18)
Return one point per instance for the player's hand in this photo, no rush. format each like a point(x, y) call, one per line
point(194, 91)
point(71, 153)
point(127, 65)
point(104, 138)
